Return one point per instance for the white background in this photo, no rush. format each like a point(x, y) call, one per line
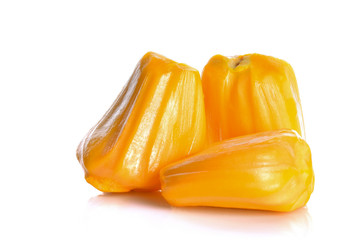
point(62, 63)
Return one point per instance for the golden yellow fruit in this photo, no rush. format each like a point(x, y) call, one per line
point(266, 171)
point(158, 118)
point(248, 94)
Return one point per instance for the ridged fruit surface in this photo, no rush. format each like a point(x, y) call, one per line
point(249, 94)
point(266, 171)
point(158, 118)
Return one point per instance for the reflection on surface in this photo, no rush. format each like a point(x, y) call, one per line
point(143, 199)
point(295, 224)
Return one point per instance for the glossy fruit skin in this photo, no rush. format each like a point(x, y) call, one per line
point(265, 171)
point(158, 118)
point(249, 94)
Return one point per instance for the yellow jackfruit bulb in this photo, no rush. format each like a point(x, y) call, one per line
point(249, 94)
point(267, 171)
point(158, 118)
